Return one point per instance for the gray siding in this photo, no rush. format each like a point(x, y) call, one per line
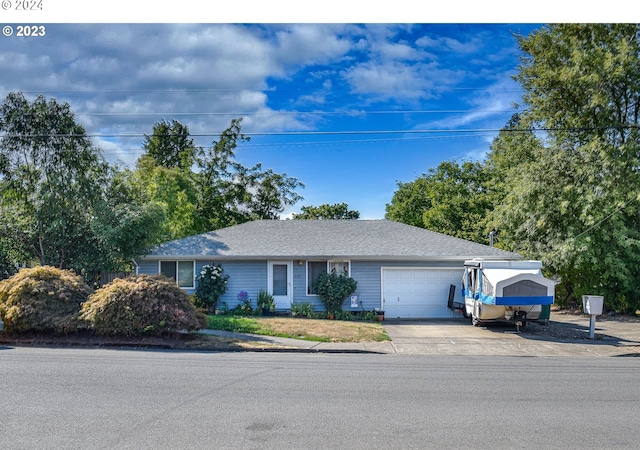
point(148, 267)
point(250, 276)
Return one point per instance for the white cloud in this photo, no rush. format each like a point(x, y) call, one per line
point(450, 44)
point(399, 81)
point(310, 44)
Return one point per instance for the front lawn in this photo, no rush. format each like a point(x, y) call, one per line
point(319, 330)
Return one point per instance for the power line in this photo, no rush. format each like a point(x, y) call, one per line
point(276, 112)
point(601, 221)
point(273, 133)
point(328, 133)
point(215, 90)
point(308, 143)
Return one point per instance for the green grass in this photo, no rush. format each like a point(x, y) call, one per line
point(234, 323)
point(238, 324)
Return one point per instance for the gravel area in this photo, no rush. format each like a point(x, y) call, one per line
point(560, 330)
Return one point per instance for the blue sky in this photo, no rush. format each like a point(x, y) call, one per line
point(348, 109)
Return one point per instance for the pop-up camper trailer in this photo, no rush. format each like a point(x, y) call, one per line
point(505, 291)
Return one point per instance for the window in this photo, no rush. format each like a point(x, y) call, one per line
point(315, 268)
point(181, 271)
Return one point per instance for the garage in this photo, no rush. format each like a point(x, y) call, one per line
point(419, 293)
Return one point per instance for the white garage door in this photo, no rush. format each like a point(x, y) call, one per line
point(419, 293)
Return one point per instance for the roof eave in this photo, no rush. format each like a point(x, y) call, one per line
point(323, 257)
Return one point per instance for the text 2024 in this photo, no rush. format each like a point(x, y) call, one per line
point(28, 5)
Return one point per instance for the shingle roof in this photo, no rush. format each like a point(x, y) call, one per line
point(362, 239)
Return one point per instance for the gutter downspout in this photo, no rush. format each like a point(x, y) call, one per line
point(136, 265)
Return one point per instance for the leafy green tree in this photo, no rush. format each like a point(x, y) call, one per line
point(230, 193)
point(175, 191)
point(49, 178)
point(170, 145)
point(452, 199)
point(13, 239)
point(515, 145)
point(409, 202)
point(126, 224)
point(203, 189)
point(574, 203)
point(269, 192)
point(58, 196)
point(337, 211)
point(165, 177)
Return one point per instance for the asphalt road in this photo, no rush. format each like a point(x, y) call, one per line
point(120, 399)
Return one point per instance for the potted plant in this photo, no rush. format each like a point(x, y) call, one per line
point(379, 314)
point(266, 303)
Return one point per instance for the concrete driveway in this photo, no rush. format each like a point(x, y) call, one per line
point(566, 335)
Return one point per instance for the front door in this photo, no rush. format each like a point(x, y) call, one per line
point(279, 283)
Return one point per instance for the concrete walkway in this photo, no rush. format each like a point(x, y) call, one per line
point(458, 337)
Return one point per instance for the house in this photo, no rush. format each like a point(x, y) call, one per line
point(403, 269)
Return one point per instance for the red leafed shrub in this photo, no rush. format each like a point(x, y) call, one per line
point(42, 299)
point(144, 304)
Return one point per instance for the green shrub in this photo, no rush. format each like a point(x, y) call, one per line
point(211, 284)
point(302, 310)
point(145, 304)
point(333, 289)
point(42, 299)
point(343, 315)
point(266, 301)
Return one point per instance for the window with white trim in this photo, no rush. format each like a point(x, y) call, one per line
point(315, 268)
point(183, 272)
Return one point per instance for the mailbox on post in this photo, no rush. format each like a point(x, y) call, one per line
point(592, 305)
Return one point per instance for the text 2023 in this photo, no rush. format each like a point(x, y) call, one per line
point(30, 30)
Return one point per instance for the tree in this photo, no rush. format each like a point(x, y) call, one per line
point(452, 199)
point(170, 145)
point(515, 145)
point(49, 177)
point(126, 224)
point(337, 211)
point(203, 189)
point(574, 204)
point(409, 202)
point(230, 193)
point(12, 241)
point(59, 197)
point(175, 191)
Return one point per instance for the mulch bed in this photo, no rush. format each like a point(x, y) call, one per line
point(87, 339)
